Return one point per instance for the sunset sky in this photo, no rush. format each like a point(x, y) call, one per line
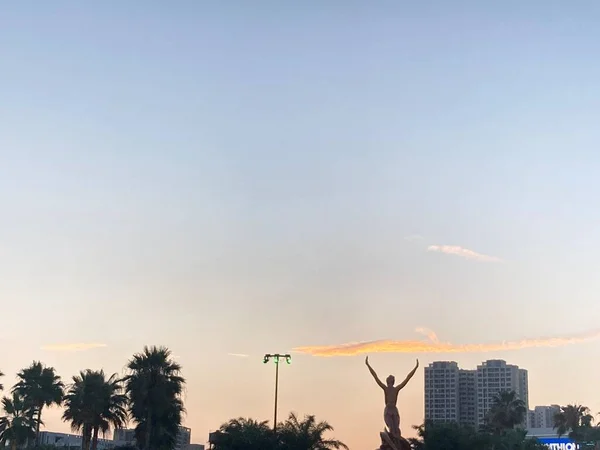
point(249, 177)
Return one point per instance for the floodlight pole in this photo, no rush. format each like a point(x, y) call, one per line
point(276, 357)
point(276, 389)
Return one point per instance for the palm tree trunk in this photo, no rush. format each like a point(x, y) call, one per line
point(148, 430)
point(13, 444)
point(95, 438)
point(85, 437)
point(37, 426)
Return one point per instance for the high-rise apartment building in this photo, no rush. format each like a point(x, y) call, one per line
point(466, 396)
point(441, 392)
point(495, 376)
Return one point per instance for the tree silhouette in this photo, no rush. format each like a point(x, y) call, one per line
point(154, 386)
point(18, 423)
point(506, 413)
point(94, 404)
point(39, 386)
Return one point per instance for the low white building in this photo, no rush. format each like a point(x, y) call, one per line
point(124, 437)
point(184, 437)
point(67, 440)
point(542, 416)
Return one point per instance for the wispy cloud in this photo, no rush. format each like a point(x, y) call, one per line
point(414, 238)
point(239, 355)
point(79, 347)
point(433, 345)
point(462, 252)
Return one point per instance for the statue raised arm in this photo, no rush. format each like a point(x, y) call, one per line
point(381, 385)
point(408, 377)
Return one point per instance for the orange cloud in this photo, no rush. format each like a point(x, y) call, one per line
point(433, 345)
point(462, 252)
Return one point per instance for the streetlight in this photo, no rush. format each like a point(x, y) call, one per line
point(276, 357)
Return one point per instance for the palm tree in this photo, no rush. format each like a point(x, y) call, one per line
point(17, 426)
point(244, 434)
point(515, 439)
point(113, 413)
point(154, 386)
point(39, 386)
point(454, 436)
point(306, 434)
point(1, 375)
point(449, 436)
point(75, 409)
point(507, 411)
point(574, 420)
point(94, 404)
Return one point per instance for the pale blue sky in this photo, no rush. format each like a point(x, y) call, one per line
point(240, 176)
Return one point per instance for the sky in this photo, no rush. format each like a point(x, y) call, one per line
point(260, 177)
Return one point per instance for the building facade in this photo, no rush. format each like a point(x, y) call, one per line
point(184, 437)
point(542, 417)
point(66, 440)
point(495, 376)
point(442, 392)
point(124, 436)
point(195, 447)
point(466, 396)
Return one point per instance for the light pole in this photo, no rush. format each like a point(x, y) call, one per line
point(276, 357)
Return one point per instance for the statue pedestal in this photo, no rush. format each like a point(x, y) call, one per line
point(389, 442)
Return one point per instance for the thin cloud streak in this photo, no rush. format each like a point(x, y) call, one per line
point(462, 252)
point(433, 345)
point(78, 347)
point(239, 355)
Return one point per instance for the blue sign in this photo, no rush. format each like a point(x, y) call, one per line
point(559, 443)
